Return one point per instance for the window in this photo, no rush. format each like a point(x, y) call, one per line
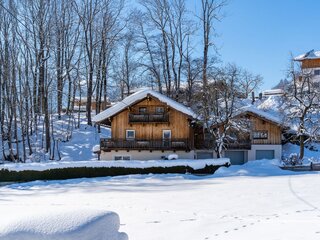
point(166, 134)
point(117, 158)
point(142, 110)
point(317, 72)
point(260, 135)
point(159, 110)
point(130, 134)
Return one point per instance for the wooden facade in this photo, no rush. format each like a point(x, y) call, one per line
point(310, 63)
point(179, 123)
point(263, 131)
point(149, 126)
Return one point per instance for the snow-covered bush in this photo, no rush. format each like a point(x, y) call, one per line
point(292, 160)
point(172, 156)
point(84, 224)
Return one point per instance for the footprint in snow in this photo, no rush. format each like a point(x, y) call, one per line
point(153, 222)
point(244, 226)
point(236, 229)
point(188, 220)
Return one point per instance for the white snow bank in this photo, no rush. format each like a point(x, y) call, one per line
point(254, 168)
point(66, 225)
point(194, 163)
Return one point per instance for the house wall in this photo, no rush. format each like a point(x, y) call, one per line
point(178, 123)
point(277, 151)
point(145, 155)
point(311, 63)
point(274, 131)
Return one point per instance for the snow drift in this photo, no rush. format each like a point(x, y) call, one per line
point(257, 168)
point(66, 225)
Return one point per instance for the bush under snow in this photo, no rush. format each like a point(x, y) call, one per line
point(66, 225)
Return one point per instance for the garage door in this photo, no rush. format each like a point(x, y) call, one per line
point(236, 157)
point(204, 155)
point(264, 154)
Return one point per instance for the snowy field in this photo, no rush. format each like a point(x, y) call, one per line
point(254, 201)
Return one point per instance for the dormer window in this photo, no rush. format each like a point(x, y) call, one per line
point(142, 110)
point(317, 72)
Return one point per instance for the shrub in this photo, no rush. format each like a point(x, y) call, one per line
point(89, 172)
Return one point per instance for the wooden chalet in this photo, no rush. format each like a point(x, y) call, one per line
point(310, 64)
point(147, 125)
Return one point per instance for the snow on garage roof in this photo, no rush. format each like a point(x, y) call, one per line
point(309, 55)
point(128, 101)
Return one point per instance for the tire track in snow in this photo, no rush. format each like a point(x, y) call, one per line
point(314, 207)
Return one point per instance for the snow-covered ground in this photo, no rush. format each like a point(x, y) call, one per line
point(253, 201)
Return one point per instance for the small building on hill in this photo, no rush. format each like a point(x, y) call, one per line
point(310, 64)
point(80, 104)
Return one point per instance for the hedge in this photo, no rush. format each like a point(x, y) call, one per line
point(90, 172)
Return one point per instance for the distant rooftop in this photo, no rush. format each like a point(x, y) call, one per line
point(273, 92)
point(309, 55)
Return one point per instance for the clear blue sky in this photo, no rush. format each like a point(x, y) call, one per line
point(260, 34)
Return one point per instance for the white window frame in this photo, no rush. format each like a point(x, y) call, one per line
point(134, 134)
point(164, 131)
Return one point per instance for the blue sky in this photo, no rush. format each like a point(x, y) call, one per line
point(260, 34)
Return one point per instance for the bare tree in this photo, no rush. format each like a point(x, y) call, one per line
point(219, 109)
point(302, 104)
point(210, 12)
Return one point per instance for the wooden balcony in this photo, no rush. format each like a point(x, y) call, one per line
point(107, 144)
point(210, 144)
point(148, 117)
point(246, 145)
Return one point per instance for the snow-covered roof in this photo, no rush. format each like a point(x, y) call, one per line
point(273, 92)
point(265, 115)
point(140, 95)
point(309, 55)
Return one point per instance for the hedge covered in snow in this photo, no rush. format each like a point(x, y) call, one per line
point(67, 170)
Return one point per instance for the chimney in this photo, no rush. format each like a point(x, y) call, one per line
point(253, 99)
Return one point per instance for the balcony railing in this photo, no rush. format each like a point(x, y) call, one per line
point(143, 144)
point(210, 144)
point(148, 117)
